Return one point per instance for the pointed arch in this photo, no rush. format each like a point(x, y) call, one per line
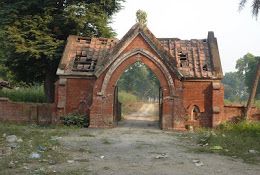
point(146, 54)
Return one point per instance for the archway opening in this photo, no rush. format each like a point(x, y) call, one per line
point(138, 93)
point(195, 113)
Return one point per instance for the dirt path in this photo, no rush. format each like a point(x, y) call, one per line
point(136, 148)
point(148, 112)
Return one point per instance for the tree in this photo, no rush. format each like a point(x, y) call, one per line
point(254, 88)
point(235, 88)
point(246, 67)
point(249, 69)
point(33, 34)
point(255, 6)
point(139, 80)
point(255, 12)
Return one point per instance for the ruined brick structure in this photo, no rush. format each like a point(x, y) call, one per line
point(189, 72)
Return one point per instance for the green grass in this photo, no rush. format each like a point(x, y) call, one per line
point(34, 139)
point(233, 140)
point(25, 94)
point(129, 102)
point(257, 104)
point(87, 135)
point(106, 142)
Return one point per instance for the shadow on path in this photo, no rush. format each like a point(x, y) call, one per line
point(139, 124)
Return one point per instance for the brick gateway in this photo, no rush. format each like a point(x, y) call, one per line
point(189, 72)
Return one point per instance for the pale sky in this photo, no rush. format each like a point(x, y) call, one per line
point(237, 32)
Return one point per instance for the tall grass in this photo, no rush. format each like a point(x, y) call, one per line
point(126, 97)
point(25, 94)
point(129, 102)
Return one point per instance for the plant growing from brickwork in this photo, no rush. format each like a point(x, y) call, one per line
point(141, 17)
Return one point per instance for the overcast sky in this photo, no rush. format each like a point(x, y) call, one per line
point(237, 32)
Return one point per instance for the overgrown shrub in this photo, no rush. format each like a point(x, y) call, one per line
point(75, 119)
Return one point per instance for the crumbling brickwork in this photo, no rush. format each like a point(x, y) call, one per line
point(189, 72)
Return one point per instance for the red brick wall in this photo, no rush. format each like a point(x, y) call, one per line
point(198, 93)
point(217, 103)
point(255, 114)
point(74, 95)
point(19, 112)
point(231, 112)
point(138, 43)
point(79, 95)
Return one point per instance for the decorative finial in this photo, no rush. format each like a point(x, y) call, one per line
point(141, 17)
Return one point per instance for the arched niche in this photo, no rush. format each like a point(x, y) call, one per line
point(195, 113)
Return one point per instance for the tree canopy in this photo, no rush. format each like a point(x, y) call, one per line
point(238, 84)
point(33, 33)
point(247, 69)
point(255, 4)
point(139, 80)
point(235, 88)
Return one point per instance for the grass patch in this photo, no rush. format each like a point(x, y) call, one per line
point(34, 139)
point(25, 94)
point(81, 171)
point(106, 142)
point(87, 135)
point(257, 104)
point(240, 140)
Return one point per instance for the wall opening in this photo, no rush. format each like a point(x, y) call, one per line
point(183, 57)
point(138, 94)
point(195, 113)
point(205, 67)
